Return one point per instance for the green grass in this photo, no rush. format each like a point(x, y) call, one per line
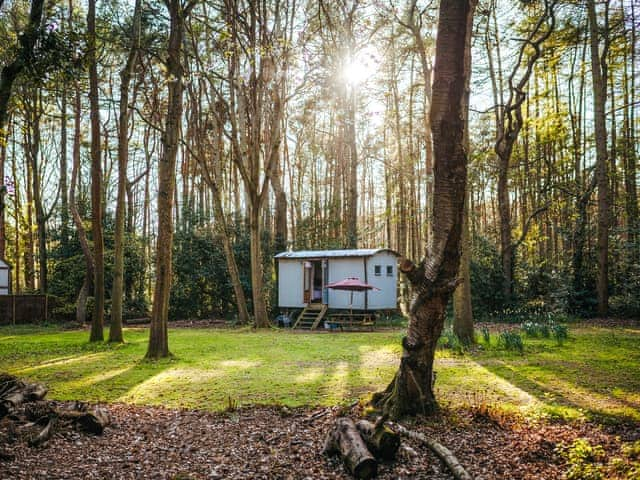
point(593, 374)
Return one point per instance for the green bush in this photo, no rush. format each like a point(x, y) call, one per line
point(560, 333)
point(511, 341)
point(448, 339)
point(201, 285)
point(486, 278)
point(486, 335)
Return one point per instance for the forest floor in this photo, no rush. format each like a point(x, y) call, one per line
point(283, 443)
point(198, 415)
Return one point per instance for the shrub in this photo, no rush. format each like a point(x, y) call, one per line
point(560, 333)
point(486, 335)
point(448, 339)
point(512, 341)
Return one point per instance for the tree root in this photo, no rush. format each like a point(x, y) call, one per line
point(440, 450)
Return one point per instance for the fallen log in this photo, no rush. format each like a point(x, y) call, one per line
point(17, 393)
point(344, 439)
point(440, 450)
point(46, 433)
point(380, 439)
point(92, 421)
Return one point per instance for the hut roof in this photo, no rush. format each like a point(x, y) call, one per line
point(358, 252)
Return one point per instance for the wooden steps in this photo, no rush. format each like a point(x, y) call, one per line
point(311, 316)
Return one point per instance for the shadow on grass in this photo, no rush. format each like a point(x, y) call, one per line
point(587, 378)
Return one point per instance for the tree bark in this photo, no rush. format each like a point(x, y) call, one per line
point(117, 292)
point(97, 318)
point(344, 439)
point(381, 440)
point(434, 279)
point(462, 308)
point(158, 336)
point(599, 76)
point(81, 301)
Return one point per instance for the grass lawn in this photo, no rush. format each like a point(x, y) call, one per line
point(595, 373)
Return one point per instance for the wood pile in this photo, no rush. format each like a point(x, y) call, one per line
point(26, 417)
point(362, 444)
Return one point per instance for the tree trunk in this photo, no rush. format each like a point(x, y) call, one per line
point(3, 191)
point(434, 279)
point(599, 76)
point(81, 302)
point(344, 439)
point(64, 184)
point(257, 282)
point(97, 318)
point(158, 337)
point(381, 440)
point(462, 308)
point(117, 292)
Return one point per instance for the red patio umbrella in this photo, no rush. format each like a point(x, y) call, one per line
point(351, 284)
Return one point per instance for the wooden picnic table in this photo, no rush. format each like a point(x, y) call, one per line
point(350, 319)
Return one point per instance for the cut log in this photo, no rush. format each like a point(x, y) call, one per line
point(380, 439)
point(46, 433)
point(18, 393)
point(440, 450)
point(91, 421)
point(344, 439)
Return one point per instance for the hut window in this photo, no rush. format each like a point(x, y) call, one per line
point(377, 270)
point(389, 270)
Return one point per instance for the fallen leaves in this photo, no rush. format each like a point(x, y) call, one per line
point(277, 443)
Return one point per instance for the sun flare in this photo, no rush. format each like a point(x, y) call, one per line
point(359, 68)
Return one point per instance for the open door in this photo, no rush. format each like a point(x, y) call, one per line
point(313, 281)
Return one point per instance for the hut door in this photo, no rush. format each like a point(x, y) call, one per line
point(325, 280)
point(307, 287)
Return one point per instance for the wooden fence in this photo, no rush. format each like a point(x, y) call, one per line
point(21, 309)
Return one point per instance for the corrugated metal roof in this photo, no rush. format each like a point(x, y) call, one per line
point(358, 252)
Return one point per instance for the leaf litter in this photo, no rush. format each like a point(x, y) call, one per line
point(261, 442)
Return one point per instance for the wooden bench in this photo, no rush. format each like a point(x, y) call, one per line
point(351, 320)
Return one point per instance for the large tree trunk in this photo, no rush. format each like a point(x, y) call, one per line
point(158, 337)
point(97, 319)
point(599, 78)
point(117, 292)
point(434, 279)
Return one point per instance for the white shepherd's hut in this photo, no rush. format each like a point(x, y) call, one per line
point(303, 277)
point(5, 278)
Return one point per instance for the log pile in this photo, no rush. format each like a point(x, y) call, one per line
point(26, 417)
point(362, 444)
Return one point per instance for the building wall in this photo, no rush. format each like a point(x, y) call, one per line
point(4, 281)
point(339, 269)
point(386, 297)
point(290, 283)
